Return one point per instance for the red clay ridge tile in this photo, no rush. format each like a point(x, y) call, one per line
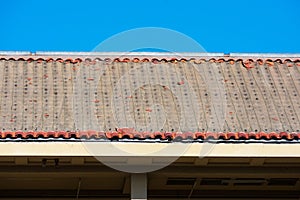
point(130, 133)
point(126, 60)
point(60, 60)
point(220, 61)
point(40, 60)
point(136, 60)
point(270, 63)
point(248, 64)
point(145, 60)
point(155, 60)
point(231, 62)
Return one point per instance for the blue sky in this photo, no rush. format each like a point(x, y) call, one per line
point(219, 26)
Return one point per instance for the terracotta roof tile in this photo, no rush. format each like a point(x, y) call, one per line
point(170, 136)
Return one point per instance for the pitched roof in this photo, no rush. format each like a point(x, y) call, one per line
point(238, 96)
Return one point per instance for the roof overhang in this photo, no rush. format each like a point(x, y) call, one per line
point(115, 149)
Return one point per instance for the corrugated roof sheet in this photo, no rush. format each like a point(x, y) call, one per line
point(163, 93)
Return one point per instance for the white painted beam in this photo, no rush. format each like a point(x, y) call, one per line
point(139, 186)
point(135, 149)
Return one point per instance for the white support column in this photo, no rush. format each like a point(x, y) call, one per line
point(138, 186)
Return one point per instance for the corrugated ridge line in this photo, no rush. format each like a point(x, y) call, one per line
point(147, 56)
point(171, 136)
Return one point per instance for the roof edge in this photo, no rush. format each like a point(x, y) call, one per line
point(147, 54)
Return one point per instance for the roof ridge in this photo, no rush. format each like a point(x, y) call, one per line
point(149, 54)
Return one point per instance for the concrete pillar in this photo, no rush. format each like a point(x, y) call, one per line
point(138, 186)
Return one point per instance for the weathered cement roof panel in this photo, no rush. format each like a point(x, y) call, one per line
point(217, 94)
